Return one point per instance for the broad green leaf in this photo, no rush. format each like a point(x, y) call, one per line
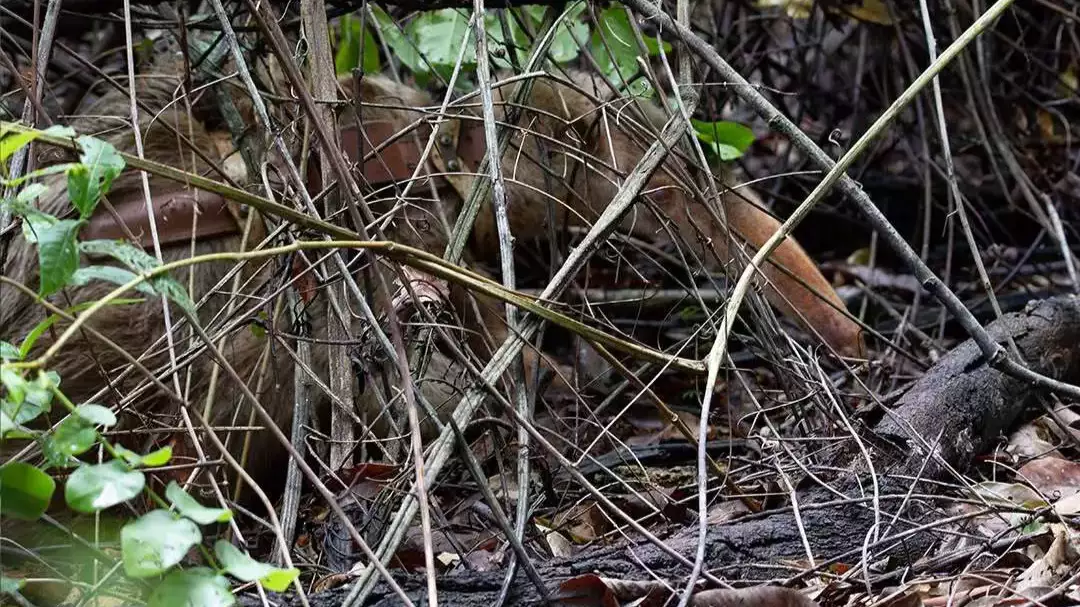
point(72, 436)
point(131, 256)
point(113, 274)
point(613, 45)
point(91, 488)
point(404, 49)
point(34, 222)
point(101, 165)
point(245, 568)
point(189, 507)
point(199, 587)
point(353, 38)
point(156, 541)
point(138, 261)
point(14, 386)
point(58, 255)
point(439, 35)
point(25, 491)
point(151, 460)
point(13, 142)
point(9, 351)
point(497, 45)
point(7, 425)
point(30, 192)
point(27, 399)
point(572, 32)
point(36, 333)
point(619, 55)
point(52, 169)
point(96, 414)
point(726, 140)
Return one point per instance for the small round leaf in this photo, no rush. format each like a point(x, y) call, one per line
point(152, 459)
point(189, 507)
point(97, 487)
point(199, 586)
point(72, 436)
point(25, 491)
point(155, 542)
point(96, 414)
point(245, 568)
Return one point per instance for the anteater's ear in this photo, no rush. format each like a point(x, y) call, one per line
point(800, 292)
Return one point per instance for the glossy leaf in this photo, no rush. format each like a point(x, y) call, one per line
point(101, 164)
point(243, 567)
point(439, 35)
point(25, 491)
point(189, 507)
point(352, 39)
point(150, 460)
point(726, 140)
point(91, 488)
point(58, 255)
point(403, 49)
point(200, 587)
point(8, 351)
point(96, 414)
point(72, 436)
point(26, 400)
point(156, 541)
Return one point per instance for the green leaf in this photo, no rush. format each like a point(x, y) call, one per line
point(351, 41)
point(403, 48)
point(176, 293)
point(15, 385)
point(151, 460)
point(156, 541)
point(131, 256)
point(497, 45)
point(26, 400)
point(726, 140)
point(101, 165)
point(113, 274)
point(12, 140)
point(58, 255)
point(9, 351)
point(34, 222)
point(565, 45)
point(96, 487)
point(8, 427)
point(25, 491)
point(619, 55)
point(189, 507)
point(199, 587)
point(52, 169)
point(10, 585)
point(30, 192)
point(139, 261)
point(36, 333)
point(96, 414)
point(72, 436)
point(613, 45)
point(245, 568)
point(439, 35)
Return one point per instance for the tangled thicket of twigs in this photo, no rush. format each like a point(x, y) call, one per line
point(838, 480)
